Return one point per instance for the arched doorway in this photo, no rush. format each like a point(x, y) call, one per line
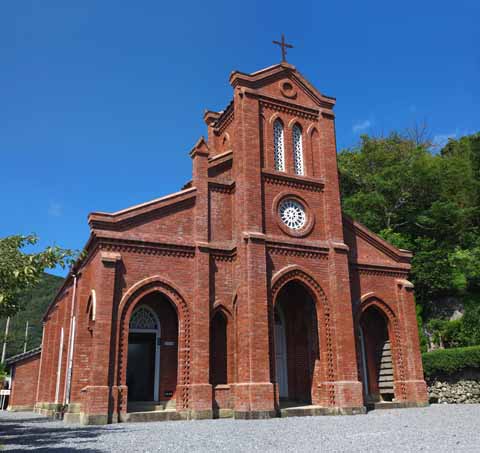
point(296, 342)
point(377, 367)
point(152, 350)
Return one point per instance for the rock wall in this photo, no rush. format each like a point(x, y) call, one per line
point(461, 388)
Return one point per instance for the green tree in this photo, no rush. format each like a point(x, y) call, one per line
point(20, 270)
point(420, 200)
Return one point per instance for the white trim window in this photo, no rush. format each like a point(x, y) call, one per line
point(278, 145)
point(297, 150)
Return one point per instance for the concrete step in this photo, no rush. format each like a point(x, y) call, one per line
point(154, 416)
point(386, 378)
point(146, 406)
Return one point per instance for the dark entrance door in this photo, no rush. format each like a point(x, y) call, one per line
point(141, 366)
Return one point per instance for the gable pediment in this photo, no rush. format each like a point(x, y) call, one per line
point(167, 216)
point(284, 82)
point(368, 248)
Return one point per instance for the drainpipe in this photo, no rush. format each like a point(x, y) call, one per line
point(59, 367)
point(71, 343)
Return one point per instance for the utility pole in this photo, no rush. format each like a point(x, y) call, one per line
point(26, 337)
point(4, 350)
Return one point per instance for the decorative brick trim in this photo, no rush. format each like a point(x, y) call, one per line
point(323, 312)
point(377, 271)
point(305, 252)
point(224, 257)
point(369, 300)
point(296, 182)
point(131, 298)
point(290, 109)
point(145, 248)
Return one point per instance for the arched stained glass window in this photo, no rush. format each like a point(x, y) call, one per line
point(297, 149)
point(279, 145)
point(143, 319)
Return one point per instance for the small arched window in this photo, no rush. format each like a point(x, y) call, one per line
point(278, 145)
point(297, 149)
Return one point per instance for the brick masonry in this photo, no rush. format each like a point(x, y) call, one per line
point(24, 384)
point(218, 245)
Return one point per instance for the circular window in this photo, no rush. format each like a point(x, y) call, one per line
point(292, 214)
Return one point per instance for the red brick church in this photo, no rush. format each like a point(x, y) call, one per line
point(247, 293)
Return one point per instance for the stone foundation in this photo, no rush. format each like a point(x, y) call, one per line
point(460, 392)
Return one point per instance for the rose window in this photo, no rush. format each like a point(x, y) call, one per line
point(292, 214)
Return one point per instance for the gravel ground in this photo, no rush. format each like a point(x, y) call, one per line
point(438, 428)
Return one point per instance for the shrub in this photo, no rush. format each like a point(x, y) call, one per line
point(449, 361)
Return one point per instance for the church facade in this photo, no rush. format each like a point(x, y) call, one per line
point(245, 294)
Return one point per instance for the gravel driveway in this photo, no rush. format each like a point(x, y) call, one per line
point(438, 428)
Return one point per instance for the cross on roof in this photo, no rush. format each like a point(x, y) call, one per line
point(284, 47)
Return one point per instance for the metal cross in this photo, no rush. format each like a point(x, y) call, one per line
point(284, 47)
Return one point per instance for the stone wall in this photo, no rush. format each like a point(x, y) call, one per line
point(461, 388)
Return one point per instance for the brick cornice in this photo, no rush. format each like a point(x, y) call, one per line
point(297, 248)
point(297, 182)
point(146, 248)
point(222, 187)
point(279, 105)
point(379, 270)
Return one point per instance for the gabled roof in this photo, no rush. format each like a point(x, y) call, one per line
point(267, 75)
point(23, 356)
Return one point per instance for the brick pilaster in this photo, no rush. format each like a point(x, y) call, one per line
point(98, 395)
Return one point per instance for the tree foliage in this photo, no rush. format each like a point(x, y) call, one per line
point(34, 302)
point(20, 270)
point(422, 200)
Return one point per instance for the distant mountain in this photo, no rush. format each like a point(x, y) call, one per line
point(34, 302)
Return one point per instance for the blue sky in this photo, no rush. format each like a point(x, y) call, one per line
point(100, 101)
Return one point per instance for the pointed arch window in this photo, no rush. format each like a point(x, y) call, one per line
point(298, 150)
point(279, 145)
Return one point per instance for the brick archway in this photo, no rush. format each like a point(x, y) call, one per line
point(325, 375)
point(372, 301)
point(129, 301)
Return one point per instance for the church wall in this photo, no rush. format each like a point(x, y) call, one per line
point(315, 202)
point(85, 329)
point(55, 320)
point(221, 172)
point(176, 269)
point(221, 215)
point(221, 275)
point(170, 224)
point(24, 384)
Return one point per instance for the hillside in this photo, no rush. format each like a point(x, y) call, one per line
point(35, 302)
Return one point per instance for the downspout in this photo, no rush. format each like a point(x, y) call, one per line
point(71, 343)
point(40, 366)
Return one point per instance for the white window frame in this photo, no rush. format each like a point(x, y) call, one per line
point(298, 150)
point(279, 145)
